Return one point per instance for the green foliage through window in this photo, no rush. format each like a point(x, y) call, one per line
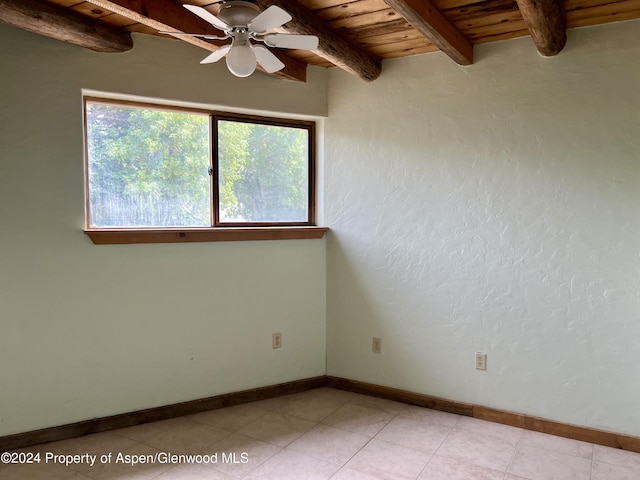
point(262, 172)
point(149, 167)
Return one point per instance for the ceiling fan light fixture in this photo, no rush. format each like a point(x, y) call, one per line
point(242, 21)
point(241, 59)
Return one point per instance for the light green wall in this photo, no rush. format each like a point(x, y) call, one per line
point(492, 208)
point(89, 331)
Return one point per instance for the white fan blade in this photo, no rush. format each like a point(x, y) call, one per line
point(217, 55)
point(207, 16)
point(197, 35)
point(271, 18)
point(267, 60)
point(302, 42)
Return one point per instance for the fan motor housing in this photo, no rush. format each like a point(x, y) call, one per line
point(238, 13)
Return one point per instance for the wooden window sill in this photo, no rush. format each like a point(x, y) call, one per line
point(121, 236)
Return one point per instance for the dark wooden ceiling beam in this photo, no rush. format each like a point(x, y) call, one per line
point(63, 24)
point(164, 15)
point(425, 17)
point(546, 23)
point(333, 47)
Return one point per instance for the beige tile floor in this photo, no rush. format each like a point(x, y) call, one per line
point(327, 434)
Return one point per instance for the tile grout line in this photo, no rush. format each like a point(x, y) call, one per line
point(513, 455)
point(188, 419)
point(373, 437)
point(318, 423)
point(352, 456)
point(451, 429)
point(367, 442)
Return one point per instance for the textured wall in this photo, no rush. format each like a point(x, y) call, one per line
point(88, 331)
point(492, 208)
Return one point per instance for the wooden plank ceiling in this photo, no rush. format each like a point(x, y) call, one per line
point(356, 35)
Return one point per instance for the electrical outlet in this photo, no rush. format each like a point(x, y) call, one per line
point(277, 340)
point(481, 361)
point(376, 345)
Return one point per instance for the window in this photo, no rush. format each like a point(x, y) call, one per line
point(153, 168)
point(262, 172)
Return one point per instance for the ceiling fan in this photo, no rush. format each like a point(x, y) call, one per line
point(243, 22)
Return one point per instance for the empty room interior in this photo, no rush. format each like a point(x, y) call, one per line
point(487, 211)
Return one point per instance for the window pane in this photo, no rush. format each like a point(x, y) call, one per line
point(146, 167)
point(262, 173)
